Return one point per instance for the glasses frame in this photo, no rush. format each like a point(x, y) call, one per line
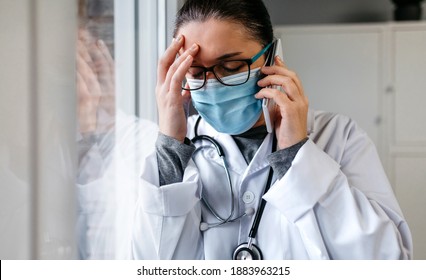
point(249, 62)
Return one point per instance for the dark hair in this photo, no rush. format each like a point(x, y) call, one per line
point(251, 14)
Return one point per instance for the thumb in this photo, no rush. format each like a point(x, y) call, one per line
point(186, 99)
point(186, 95)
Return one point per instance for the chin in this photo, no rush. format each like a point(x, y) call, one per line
point(260, 121)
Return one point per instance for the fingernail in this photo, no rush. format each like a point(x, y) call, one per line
point(179, 38)
point(279, 58)
point(194, 47)
point(100, 43)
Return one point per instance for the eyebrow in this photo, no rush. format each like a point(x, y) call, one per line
point(228, 55)
point(225, 56)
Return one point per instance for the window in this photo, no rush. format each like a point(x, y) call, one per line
point(118, 48)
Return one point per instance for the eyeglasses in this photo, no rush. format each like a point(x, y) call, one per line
point(221, 70)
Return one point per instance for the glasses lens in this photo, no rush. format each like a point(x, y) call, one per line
point(227, 72)
point(194, 78)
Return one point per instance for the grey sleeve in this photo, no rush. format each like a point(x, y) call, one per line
point(281, 160)
point(94, 155)
point(172, 157)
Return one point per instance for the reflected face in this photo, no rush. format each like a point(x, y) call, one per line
point(219, 40)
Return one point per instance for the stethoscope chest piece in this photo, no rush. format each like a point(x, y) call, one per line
point(245, 251)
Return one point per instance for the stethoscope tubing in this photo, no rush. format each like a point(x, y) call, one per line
point(228, 176)
point(221, 154)
point(247, 248)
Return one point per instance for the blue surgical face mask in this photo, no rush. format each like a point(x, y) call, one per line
point(228, 109)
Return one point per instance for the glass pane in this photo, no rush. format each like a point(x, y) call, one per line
point(96, 129)
point(116, 65)
point(111, 139)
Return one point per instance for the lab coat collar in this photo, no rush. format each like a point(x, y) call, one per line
point(310, 124)
point(235, 160)
point(205, 128)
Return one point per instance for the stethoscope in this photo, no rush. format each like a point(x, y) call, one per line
point(247, 250)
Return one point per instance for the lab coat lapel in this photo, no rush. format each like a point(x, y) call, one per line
point(259, 160)
point(234, 158)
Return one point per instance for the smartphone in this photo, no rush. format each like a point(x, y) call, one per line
point(268, 105)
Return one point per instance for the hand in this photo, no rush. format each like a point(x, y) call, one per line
point(170, 97)
point(88, 88)
point(291, 109)
point(95, 85)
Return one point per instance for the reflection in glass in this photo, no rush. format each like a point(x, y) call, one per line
point(110, 143)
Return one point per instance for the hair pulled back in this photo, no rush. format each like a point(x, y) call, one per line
point(251, 14)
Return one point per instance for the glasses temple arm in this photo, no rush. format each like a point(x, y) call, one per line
point(254, 58)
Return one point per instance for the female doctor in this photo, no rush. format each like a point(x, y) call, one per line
point(314, 188)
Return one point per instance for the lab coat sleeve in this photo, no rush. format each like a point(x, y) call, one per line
point(95, 216)
point(168, 217)
point(106, 186)
point(343, 207)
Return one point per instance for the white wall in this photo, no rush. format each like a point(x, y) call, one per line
point(373, 73)
point(37, 124)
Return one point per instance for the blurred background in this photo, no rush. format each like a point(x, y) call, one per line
point(78, 112)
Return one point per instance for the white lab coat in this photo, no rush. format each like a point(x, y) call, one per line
point(334, 202)
point(106, 185)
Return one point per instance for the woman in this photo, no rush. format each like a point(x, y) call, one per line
point(328, 195)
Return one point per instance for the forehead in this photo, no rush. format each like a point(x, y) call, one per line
point(217, 37)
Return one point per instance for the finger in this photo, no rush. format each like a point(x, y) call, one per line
point(83, 52)
point(105, 75)
point(178, 76)
point(282, 70)
point(292, 74)
point(176, 64)
point(106, 55)
point(82, 89)
point(88, 76)
point(85, 36)
point(84, 69)
point(97, 57)
point(186, 94)
point(279, 98)
point(287, 83)
point(168, 58)
point(279, 61)
point(84, 94)
point(102, 65)
point(186, 100)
